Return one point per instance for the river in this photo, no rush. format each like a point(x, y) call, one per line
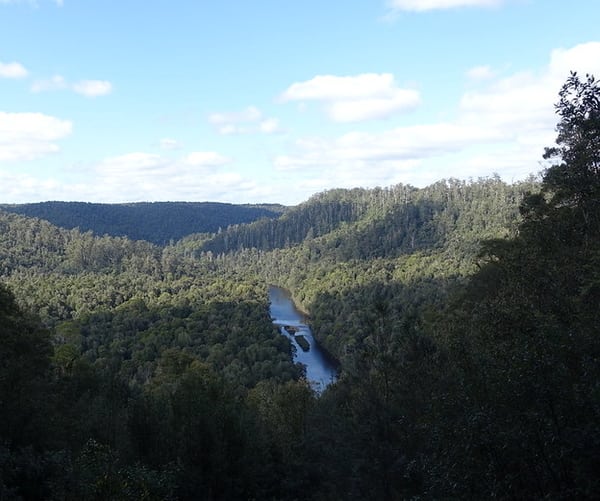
point(320, 370)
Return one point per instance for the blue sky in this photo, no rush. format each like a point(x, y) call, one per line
point(248, 101)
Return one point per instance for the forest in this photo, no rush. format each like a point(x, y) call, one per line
point(156, 222)
point(463, 316)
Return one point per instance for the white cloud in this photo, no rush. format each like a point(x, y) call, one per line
point(374, 108)
point(87, 88)
point(401, 144)
point(427, 5)
point(367, 96)
point(584, 58)
point(12, 70)
point(134, 166)
point(525, 101)
point(17, 187)
point(25, 136)
point(200, 175)
point(92, 88)
point(247, 121)
point(501, 127)
point(331, 87)
point(131, 177)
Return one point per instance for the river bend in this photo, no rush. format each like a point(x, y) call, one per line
point(320, 370)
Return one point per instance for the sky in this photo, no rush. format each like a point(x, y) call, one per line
point(256, 101)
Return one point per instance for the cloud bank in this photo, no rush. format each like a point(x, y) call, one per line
point(368, 96)
point(12, 70)
point(26, 136)
point(501, 126)
point(148, 177)
point(500, 122)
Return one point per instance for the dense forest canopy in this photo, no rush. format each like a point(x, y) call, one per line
point(464, 317)
point(156, 222)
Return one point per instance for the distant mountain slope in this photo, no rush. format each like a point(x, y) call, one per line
point(156, 222)
point(385, 222)
point(319, 215)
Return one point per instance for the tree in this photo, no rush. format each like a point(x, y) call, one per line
point(523, 340)
point(24, 363)
point(573, 180)
point(24, 426)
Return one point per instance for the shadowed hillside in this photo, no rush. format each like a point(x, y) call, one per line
point(385, 222)
point(156, 222)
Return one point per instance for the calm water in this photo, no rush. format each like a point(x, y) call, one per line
point(320, 371)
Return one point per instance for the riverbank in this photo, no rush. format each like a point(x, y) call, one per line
point(321, 370)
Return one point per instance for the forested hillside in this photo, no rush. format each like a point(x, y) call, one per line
point(385, 222)
point(464, 317)
point(156, 222)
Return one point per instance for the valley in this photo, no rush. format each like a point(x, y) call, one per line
point(459, 324)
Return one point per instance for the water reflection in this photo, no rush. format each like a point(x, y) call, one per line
point(320, 371)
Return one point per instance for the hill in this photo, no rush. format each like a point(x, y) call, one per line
point(464, 317)
point(384, 222)
point(156, 222)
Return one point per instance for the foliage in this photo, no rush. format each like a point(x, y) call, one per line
point(156, 222)
point(464, 317)
point(523, 338)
